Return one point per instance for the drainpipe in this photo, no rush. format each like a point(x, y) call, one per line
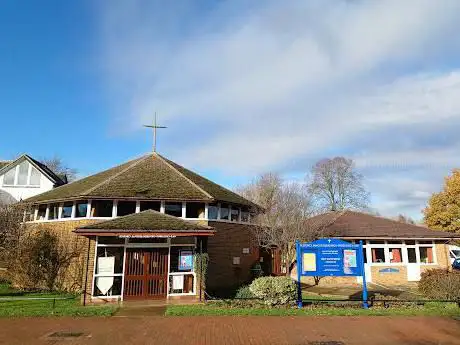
point(201, 268)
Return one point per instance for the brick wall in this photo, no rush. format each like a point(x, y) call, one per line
point(227, 243)
point(74, 277)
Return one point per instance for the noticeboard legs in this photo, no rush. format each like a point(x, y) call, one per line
point(299, 287)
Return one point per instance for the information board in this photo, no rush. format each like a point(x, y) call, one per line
point(185, 260)
point(330, 257)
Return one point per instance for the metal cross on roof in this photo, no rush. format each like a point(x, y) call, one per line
point(155, 126)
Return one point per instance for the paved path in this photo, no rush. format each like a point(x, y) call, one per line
point(234, 330)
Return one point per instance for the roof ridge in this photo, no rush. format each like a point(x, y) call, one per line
point(182, 175)
point(135, 162)
point(393, 220)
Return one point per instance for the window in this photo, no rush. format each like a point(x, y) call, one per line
point(8, 178)
point(411, 255)
point(26, 173)
point(41, 215)
point(126, 207)
point(376, 242)
point(151, 205)
point(80, 209)
point(194, 210)
point(110, 240)
point(176, 251)
point(426, 255)
point(395, 255)
point(23, 172)
point(244, 214)
point(425, 242)
point(101, 208)
point(34, 177)
point(224, 211)
point(67, 210)
point(173, 209)
point(213, 211)
point(235, 214)
point(378, 255)
point(116, 253)
point(53, 212)
point(409, 243)
point(110, 281)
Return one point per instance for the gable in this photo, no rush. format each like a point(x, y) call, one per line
point(21, 173)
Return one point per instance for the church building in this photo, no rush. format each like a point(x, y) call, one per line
point(143, 223)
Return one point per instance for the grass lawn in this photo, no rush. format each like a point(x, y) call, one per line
point(21, 303)
point(430, 309)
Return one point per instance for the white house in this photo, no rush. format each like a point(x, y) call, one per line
point(25, 177)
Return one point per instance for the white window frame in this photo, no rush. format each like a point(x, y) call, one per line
point(137, 210)
point(367, 246)
point(16, 177)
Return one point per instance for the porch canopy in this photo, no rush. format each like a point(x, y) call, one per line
point(148, 223)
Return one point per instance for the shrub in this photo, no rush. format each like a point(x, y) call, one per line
point(440, 284)
point(274, 290)
point(244, 292)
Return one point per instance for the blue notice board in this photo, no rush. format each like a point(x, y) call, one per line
point(185, 260)
point(330, 257)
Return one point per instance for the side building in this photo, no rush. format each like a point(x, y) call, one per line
point(139, 226)
point(25, 177)
point(395, 253)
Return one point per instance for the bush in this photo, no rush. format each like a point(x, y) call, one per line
point(244, 292)
point(274, 290)
point(440, 284)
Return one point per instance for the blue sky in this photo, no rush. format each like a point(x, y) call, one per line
point(244, 87)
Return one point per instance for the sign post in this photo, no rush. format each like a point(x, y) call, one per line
point(330, 258)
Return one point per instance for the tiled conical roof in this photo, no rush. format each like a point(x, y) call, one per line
point(150, 177)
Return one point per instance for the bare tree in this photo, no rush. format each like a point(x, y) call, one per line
point(57, 165)
point(405, 219)
point(287, 207)
point(35, 258)
point(335, 185)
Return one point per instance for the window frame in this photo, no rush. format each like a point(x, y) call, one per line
point(30, 168)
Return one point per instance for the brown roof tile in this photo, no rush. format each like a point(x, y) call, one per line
point(351, 224)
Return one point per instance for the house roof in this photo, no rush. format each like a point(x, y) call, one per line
point(4, 165)
point(148, 221)
point(351, 224)
point(148, 177)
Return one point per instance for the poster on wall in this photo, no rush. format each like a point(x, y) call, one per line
point(185, 260)
point(105, 266)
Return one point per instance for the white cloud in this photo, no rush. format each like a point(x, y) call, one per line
point(265, 85)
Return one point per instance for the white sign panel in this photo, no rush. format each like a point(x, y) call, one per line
point(105, 265)
point(178, 282)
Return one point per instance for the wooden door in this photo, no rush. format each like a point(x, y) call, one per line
point(146, 273)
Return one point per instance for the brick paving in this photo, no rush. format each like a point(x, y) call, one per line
point(234, 330)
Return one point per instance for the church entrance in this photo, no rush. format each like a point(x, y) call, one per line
point(146, 273)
